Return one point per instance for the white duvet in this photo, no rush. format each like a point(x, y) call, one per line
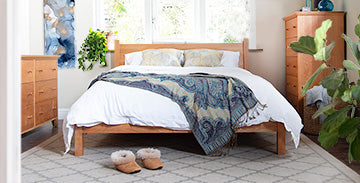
point(114, 104)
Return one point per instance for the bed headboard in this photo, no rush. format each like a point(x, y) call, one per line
point(243, 48)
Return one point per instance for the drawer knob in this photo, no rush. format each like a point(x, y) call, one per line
point(294, 26)
point(294, 86)
point(40, 70)
point(294, 66)
point(54, 108)
point(287, 29)
point(29, 117)
point(41, 91)
point(54, 69)
point(41, 113)
point(29, 72)
point(53, 88)
point(30, 93)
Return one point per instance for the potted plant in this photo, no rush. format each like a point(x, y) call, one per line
point(93, 49)
point(340, 121)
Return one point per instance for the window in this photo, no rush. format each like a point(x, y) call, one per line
point(161, 21)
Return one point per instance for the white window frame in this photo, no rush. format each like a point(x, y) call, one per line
point(200, 26)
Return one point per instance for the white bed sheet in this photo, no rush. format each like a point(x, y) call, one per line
point(114, 104)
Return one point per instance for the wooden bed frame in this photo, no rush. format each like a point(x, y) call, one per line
point(119, 59)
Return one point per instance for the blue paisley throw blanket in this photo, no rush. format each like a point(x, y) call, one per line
point(214, 106)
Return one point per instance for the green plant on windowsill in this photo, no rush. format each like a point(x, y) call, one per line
point(343, 122)
point(93, 49)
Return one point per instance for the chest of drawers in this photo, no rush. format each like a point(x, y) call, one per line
point(38, 91)
point(300, 67)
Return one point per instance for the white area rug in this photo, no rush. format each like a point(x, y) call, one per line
point(254, 160)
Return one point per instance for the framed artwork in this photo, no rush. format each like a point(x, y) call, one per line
point(59, 31)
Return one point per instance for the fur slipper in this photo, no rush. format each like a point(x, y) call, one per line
point(125, 161)
point(150, 158)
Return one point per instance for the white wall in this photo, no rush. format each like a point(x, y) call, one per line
point(269, 63)
point(10, 47)
point(352, 8)
point(270, 35)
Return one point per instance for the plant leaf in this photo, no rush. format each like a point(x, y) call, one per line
point(320, 34)
point(355, 92)
point(312, 78)
point(320, 55)
point(357, 28)
point(336, 119)
point(306, 44)
point(324, 108)
point(355, 148)
point(353, 47)
point(324, 53)
point(345, 85)
point(328, 50)
point(350, 65)
point(346, 97)
point(333, 81)
point(349, 126)
point(327, 139)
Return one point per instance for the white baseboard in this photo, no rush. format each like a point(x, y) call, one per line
point(62, 113)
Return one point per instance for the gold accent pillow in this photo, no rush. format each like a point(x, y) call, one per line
point(203, 58)
point(162, 57)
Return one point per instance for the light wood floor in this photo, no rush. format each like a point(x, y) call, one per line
point(39, 135)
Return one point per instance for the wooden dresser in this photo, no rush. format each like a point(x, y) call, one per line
point(38, 91)
point(300, 67)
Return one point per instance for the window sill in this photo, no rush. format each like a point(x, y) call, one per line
point(256, 50)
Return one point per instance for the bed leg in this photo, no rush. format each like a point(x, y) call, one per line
point(79, 141)
point(280, 139)
point(55, 122)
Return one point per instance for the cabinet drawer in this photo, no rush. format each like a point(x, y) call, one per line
point(289, 51)
point(27, 118)
point(45, 111)
point(291, 28)
point(27, 71)
point(45, 69)
point(291, 85)
point(27, 94)
point(291, 66)
point(45, 90)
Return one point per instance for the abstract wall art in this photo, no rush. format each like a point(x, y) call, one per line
point(59, 31)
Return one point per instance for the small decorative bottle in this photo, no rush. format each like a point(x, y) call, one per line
point(325, 5)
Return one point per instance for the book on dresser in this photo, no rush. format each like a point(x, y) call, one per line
point(300, 67)
point(39, 91)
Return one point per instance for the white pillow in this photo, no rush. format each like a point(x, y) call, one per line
point(230, 59)
point(134, 58)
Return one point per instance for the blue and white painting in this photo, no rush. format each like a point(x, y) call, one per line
point(59, 31)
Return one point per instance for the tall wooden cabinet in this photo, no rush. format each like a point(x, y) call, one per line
point(300, 67)
point(38, 91)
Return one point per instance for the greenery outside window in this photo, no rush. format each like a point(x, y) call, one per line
point(164, 21)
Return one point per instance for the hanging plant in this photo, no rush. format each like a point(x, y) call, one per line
point(93, 49)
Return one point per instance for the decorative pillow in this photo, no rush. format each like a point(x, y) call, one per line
point(162, 57)
point(230, 59)
point(134, 58)
point(203, 58)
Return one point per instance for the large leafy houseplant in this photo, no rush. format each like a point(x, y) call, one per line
point(93, 49)
point(341, 121)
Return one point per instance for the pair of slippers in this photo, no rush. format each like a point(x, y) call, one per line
point(125, 160)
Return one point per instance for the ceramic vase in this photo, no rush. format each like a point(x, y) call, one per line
point(325, 5)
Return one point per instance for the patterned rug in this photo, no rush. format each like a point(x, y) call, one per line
point(254, 160)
